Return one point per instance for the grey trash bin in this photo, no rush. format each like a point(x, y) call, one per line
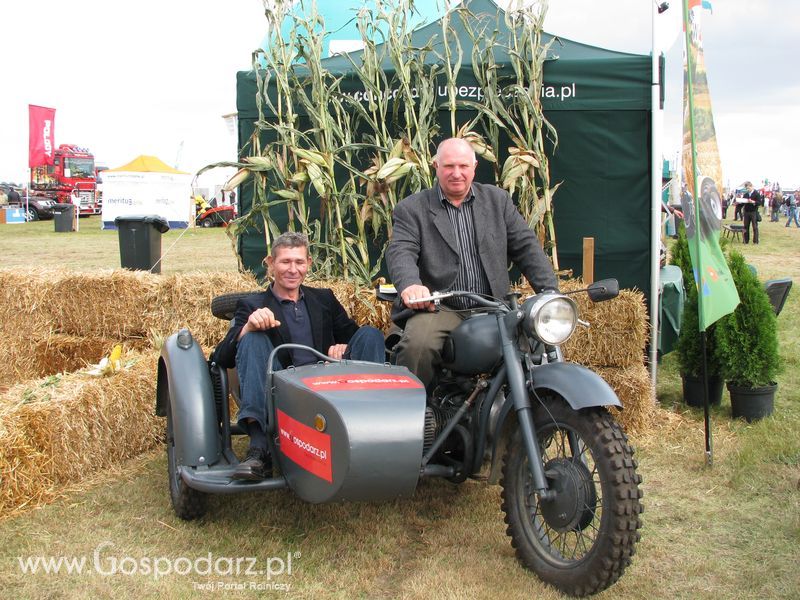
point(63, 216)
point(140, 241)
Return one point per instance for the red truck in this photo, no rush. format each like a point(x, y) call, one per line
point(73, 168)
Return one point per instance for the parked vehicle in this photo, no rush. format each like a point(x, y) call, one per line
point(38, 207)
point(73, 168)
point(506, 409)
point(219, 216)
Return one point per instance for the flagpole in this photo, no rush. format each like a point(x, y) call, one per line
point(28, 195)
point(696, 214)
point(655, 204)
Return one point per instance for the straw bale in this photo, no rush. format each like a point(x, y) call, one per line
point(106, 303)
point(184, 300)
point(633, 388)
point(23, 312)
point(60, 429)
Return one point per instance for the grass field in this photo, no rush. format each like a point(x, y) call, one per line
point(729, 531)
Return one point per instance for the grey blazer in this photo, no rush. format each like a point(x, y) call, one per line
point(421, 222)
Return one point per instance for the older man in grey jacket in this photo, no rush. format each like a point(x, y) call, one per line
point(458, 235)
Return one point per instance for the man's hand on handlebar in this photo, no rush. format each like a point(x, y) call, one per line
point(412, 292)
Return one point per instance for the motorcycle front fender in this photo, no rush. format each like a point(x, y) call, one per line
point(579, 386)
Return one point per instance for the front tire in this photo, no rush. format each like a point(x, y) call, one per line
point(31, 215)
point(187, 503)
point(582, 541)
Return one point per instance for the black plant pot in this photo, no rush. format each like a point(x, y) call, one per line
point(693, 390)
point(752, 403)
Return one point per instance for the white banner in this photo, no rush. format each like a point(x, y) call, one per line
point(128, 194)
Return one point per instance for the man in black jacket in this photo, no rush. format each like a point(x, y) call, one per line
point(750, 212)
point(286, 312)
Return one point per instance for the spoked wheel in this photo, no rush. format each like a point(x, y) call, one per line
point(187, 503)
point(31, 215)
point(582, 540)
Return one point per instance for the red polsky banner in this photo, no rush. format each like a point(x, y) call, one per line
point(41, 133)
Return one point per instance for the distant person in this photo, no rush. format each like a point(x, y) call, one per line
point(232, 197)
point(75, 198)
point(13, 196)
point(754, 201)
point(737, 207)
point(775, 206)
point(3, 197)
point(791, 209)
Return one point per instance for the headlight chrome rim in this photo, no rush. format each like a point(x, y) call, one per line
point(551, 318)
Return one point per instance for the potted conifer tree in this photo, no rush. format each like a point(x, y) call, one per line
point(688, 347)
point(746, 346)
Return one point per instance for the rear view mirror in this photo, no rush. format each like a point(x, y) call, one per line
point(605, 289)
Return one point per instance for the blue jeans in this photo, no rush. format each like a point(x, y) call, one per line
point(792, 216)
point(253, 352)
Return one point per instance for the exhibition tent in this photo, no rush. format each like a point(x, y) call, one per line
point(599, 102)
point(147, 186)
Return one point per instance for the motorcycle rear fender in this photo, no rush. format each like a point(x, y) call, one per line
point(183, 375)
point(580, 387)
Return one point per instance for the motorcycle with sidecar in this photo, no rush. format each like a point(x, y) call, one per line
point(506, 408)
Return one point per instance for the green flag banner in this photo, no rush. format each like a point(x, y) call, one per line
point(701, 197)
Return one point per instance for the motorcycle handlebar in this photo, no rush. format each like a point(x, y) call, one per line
point(478, 299)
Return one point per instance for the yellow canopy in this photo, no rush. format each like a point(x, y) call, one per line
point(148, 164)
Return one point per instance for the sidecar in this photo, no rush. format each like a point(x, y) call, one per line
point(337, 431)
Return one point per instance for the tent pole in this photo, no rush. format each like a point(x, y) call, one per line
point(655, 203)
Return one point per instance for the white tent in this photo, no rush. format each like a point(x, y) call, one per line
point(147, 186)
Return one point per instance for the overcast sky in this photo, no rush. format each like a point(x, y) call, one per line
point(156, 77)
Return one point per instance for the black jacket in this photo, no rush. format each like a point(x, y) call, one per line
point(757, 198)
point(329, 323)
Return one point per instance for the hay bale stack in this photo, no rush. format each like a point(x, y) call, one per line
point(58, 430)
point(633, 388)
point(55, 320)
point(617, 335)
point(184, 300)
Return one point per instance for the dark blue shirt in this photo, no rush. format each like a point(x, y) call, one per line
point(295, 316)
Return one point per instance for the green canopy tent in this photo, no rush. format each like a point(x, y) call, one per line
point(599, 102)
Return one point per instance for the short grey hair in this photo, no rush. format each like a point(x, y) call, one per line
point(289, 239)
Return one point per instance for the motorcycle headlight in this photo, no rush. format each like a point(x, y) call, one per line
point(550, 317)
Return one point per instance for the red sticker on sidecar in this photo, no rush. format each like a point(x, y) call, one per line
point(306, 446)
point(366, 381)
